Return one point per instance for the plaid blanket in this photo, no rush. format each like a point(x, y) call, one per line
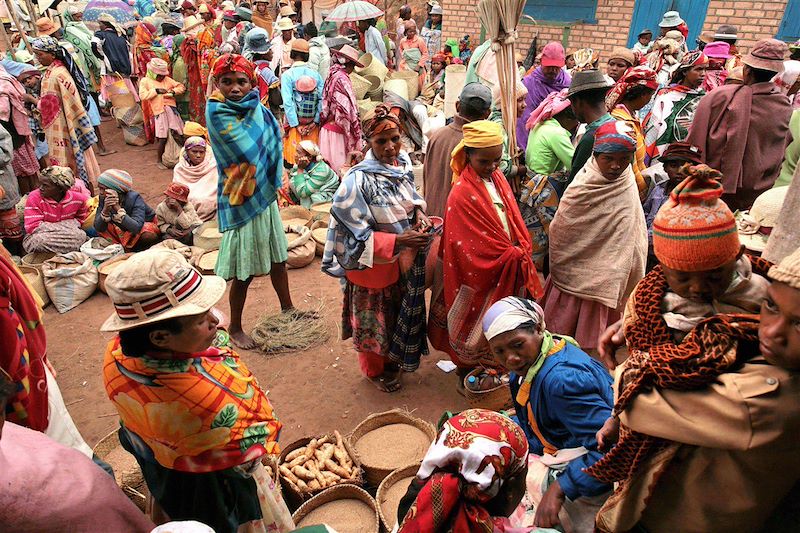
point(246, 141)
point(409, 341)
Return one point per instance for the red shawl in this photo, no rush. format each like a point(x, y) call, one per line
point(23, 347)
point(440, 506)
point(481, 263)
point(339, 107)
point(190, 50)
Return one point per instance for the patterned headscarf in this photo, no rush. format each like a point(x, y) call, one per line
point(61, 177)
point(475, 453)
point(50, 45)
point(551, 106)
point(509, 313)
point(234, 63)
point(690, 59)
point(613, 137)
point(641, 75)
point(311, 148)
point(382, 120)
point(194, 142)
point(158, 67)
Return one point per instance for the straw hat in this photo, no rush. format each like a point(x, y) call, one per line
point(756, 224)
point(285, 24)
point(287, 11)
point(155, 285)
point(191, 22)
point(300, 45)
point(349, 53)
point(46, 26)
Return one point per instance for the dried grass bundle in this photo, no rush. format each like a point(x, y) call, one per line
point(290, 332)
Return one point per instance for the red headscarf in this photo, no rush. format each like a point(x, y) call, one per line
point(233, 63)
point(641, 75)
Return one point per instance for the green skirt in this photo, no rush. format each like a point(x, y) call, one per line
point(250, 250)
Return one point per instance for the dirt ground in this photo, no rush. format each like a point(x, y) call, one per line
point(313, 392)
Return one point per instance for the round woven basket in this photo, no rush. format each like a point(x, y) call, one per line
point(296, 215)
point(319, 232)
point(107, 267)
point(375, 91)
point(36, 259)
point(375, 474)
point(360, 85)
point(208, 261)
point(127, 473)
point(208, 236)
point(295, 498)
point(399, 87)
point(371, 67)
point(410, 78)
point(35, 278)
point(322, 212)
point(366, 108)
point(389, 517)
point(496, 399)
point(341, 492)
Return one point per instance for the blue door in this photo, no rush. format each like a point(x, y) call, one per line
point(648, 13)
point(789, 30)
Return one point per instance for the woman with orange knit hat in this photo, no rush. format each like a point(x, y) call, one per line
point(702, 270)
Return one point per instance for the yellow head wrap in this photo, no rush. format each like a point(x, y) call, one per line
point(193, 129)
point(478, 134)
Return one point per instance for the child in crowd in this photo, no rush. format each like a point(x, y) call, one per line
point(434, 82)
point(175, 216)
point(312, 181)
point(157, 92)
point(122, 215)
point(31, 79)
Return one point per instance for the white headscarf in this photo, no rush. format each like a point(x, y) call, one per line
point(509, 314)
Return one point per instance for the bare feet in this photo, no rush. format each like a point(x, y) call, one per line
point(386, 383)
point(243, 340)
point(106, 152)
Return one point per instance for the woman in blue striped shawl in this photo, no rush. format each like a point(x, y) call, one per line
point(246, 141)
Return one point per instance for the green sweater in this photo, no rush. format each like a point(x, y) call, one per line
point(792, 152)
point(549, 148)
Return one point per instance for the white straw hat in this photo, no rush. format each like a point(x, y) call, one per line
point(755, 225)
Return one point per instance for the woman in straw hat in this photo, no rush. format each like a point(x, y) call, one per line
point(376, 241)
point(341, 124)
point(157, 92)
point(191, 413)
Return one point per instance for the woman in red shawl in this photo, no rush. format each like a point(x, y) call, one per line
point(486, 249)
point(192, 52)
point(143, 49)
point(341, 126)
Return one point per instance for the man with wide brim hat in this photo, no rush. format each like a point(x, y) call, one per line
point(191, 411)
point(282, 45)
point(743, 133)
point(46, 26)
point(587, 94)
point(347, 54)
point(670, 21)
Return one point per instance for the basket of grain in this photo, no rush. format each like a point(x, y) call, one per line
point(107, 267)
point(296, 215)
point(322, 212)
point(344, 508)
point(310, 465)
point(319, 233)
point(34, 277)
point(208, 261)
point(391, 491)
point(384, 442)
point(127, 473)
point(494, 399)
point(207, 236)
point(36, 259)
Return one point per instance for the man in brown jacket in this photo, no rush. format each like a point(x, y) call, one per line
point(474, 103)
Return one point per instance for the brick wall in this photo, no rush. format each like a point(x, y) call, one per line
point(756, 20)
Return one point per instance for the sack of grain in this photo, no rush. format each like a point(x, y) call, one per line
point(345, 508)
point(301, 246)
point(101, 249)
point(69, 279)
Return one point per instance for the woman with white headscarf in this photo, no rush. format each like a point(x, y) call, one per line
point(312, 181)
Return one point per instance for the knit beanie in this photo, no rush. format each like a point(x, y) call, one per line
point(119, 180)
point(694, 230)
point(787, 270)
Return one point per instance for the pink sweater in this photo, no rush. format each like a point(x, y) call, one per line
point(38, 209)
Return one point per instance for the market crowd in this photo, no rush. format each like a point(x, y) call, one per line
point(632, 210)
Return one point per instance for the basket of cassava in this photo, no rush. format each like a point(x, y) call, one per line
point(386, 441)
point(310, 465)
point(391, 491)
point(344, 508)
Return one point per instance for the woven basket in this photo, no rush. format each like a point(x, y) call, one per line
point(496, 399)
point(411, 79)
point(208, 261)
point(127, 473)
point(322, 212)
point(296, 215)
point(375, 92)
point(360, 85)
point(105, 268)
point(376, 474)
point(295, 498)
point(210, 242)
point(366, 109)
point(398, 87)
point(35, 278)
point(371, 67)
point(341, 492)
point(389, 519)
point(319, 232)
point(37, 259)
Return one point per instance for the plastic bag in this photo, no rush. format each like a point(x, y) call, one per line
point(69, 279)
point(99, 249)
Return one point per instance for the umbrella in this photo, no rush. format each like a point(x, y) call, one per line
point(354, 10)
point(121, 11)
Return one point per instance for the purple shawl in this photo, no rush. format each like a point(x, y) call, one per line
point(539, 86)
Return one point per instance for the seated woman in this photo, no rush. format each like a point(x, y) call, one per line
point(122, 214)
point(191, 412)
point(197, 169)
point(471, 478)
point(311, 180)
point(598, 241)
point(486, 250)
point(562, 398)
point(54, 213)
point(175, 216)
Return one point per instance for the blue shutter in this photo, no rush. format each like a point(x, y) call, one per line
point(789, 30)
point(562, 10)
point(648, 13)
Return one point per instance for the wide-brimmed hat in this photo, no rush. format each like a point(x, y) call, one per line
point(586, 80)
point(646, 31)
point(767, 54)
point(257, 41)
point(727, 31)
point(755, 225)
point(287, 11)
point(244, 13)
point(46, 26)
point(300, 45)
point(285, 24)
point(349, 53)
point(191, 22)
point(718, 50)
point(155, 285)
point(706, 37)
point(671, 19)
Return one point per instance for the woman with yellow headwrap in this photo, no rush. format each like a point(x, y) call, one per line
point(486, 249)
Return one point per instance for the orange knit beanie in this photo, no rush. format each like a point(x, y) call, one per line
point(694, 230)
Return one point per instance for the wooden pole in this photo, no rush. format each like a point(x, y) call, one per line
point(13, 15)
point(34, 16)
point(7, 41)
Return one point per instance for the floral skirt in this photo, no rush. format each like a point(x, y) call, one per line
point(369, 316)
